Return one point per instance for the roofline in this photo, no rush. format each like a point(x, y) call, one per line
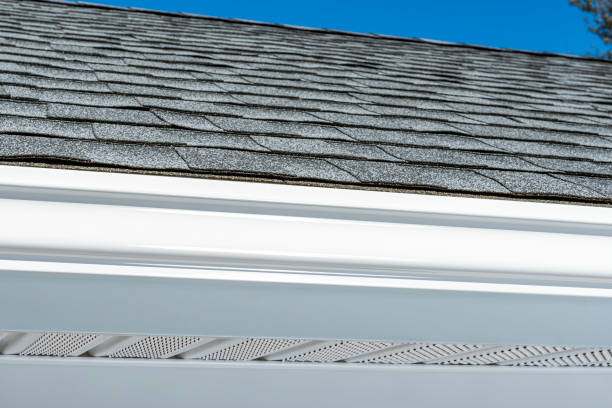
point(326, 30)
point(99, 242)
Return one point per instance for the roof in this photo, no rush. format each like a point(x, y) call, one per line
point(118, 89)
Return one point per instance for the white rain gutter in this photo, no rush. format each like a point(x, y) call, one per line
point(123, 253)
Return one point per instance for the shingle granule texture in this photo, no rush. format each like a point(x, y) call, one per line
point(96, 86)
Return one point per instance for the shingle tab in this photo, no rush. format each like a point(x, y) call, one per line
point(552, 149)
point(73, 97)
point(572, 166)
point(418, 139)
point(186, 120)
point(193, 85)
point(53, 83)
point(23, 108)
point(15, 124)
point(241, 162)
point(460, 158)
point(538, 184)
point(308, 104)
point(125, 88)
point(387, 122)
point(422, 113)
point(290, 92)
point(47, 71)
point(135, 156)
point(419, 176)
point(280, 128)
point(534, 135)
point(602, 186)
point(570, 127)
point(319, 147)
point(79, 112)
point(230, 109)
point(148, 134)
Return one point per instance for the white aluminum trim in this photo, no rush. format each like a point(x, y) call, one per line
point(124, 234)
point(302, 246)
point(95, 382)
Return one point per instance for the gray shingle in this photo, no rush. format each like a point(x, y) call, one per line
point(299, 84)
point(491, 119)
point(96, 59)
point(47, 71)
point(460, 158)
point(323, 147)
point(551, 149)
point(395, 123)
point(572, 166)
point(142, 90)
point(538, 184)
point(53, 83)
point(147, 134)
point(602, 186)
point(241, 162)
point(569, 127)
point(290, 92)
point(533, 135)
point(48, 58)
point(279, 128)
point(193, 85)
point(418, 139)
point(170, 63)
point(136, 156)
point(186, 120)
point(303, 104)
point(419, 176)
point(403, 102)
point(247, 99)
point(229, 109)
point(421, 113)
point(22, 108)
point(73, 97)
point(142, 70)
point(79, 112)
point(15, 124)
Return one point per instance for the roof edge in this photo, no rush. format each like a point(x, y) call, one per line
point(327, 30)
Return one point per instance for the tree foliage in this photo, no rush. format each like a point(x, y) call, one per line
point(599, 18)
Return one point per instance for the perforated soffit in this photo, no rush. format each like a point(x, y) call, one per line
point(296, 350)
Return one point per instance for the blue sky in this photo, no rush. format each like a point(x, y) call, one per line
point(538, 25)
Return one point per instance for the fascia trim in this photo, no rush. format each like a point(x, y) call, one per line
point(105, 382)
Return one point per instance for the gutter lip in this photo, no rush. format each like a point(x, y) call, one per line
point(82, 186)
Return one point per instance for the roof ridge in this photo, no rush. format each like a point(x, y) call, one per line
point(325, 30)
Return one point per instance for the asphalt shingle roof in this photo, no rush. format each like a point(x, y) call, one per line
point(97, 86)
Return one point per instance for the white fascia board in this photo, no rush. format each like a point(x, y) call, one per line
point(96, 382)
point(136, 254)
